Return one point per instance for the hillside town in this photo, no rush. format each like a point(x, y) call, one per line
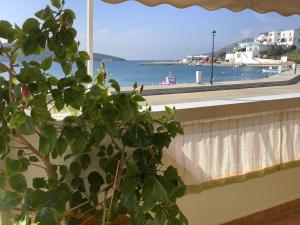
point(272, 48)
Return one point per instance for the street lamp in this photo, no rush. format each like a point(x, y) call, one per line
point(296, 59)
point(212, 57)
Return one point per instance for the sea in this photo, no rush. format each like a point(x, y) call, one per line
point(129, 72)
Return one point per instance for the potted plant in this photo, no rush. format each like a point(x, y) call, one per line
point(99, 165)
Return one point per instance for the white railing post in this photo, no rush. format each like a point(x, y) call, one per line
point(90, 35)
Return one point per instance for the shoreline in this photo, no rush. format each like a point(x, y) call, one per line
point(284, 78)
point(223, 64)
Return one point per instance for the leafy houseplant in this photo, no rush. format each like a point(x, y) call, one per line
point(101, 165)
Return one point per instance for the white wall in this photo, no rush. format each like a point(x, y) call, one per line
point(244, 57)
point(223, 204)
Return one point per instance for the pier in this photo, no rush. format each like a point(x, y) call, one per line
point(161, 63)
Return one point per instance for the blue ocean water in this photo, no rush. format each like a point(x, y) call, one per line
point(128, 72)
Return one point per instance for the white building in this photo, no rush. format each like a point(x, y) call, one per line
point(248, 56)
point(267, 38)
point(286, 38)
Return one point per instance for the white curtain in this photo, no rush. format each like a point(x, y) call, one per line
point(228, 147)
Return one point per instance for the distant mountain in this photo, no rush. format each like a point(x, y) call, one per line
point(106, 58)
point(229, 48)
point(47, 53)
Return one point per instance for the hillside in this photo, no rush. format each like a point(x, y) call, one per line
point(293, 55)
point(47, 53)
point(229, 48)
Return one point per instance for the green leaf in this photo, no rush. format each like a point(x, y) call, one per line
point(78, 183)
point(161, 140)
point(59, 103)
point(45, 216)
point(132, 169)
point(17, 119)
point(110, 150)
point(115, 85)
point(3, 68)
point(14, 166)
point(183, 219)
point(153, 192)
point(40, 114)
point(20, 153)
point(61, 145)
point(50, 134)
point(38, 182)
point(75, 169)
point(63, 170)
point(79, 144)
point(9, 200)
point(161, 218)
point(84, 55)
point(30, 25)
point(67, 68)
point(6, 31)
point(46, 63)
point(98, 132)
point(33, 158)
point(129, 186)
point(18, 182)
point(15, 57)
point(95, 180)
point(67, 36)
point(30, 45)
point(27, 128)
point(85, 161)
point(56, 3)
point(44, 146)
point(74, 97)
point(96, 91)
point(44, 14)
point(53, 80)
point(67, 17)
point(2, 180)
point(3, 146)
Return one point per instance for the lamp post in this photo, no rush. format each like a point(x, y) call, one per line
point(212, 57)
point(296, 59)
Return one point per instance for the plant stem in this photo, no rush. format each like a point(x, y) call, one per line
point(11, 79)
point(44, 159)
point(104, 208)
point(114, 190)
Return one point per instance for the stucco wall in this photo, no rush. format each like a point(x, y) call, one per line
point(226, 203)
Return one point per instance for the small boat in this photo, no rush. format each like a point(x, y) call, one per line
point(170, 80)
point(272, 70)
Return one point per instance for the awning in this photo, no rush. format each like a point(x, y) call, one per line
point(283, 7)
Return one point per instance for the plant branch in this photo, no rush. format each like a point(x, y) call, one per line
point(114, 190)
point(11, 79)
point(45, 160)
point(117, 146)
point(37, 165)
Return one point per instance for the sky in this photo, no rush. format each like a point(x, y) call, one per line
point(135, 32)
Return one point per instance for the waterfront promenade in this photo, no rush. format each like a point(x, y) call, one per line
point(232, 94)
